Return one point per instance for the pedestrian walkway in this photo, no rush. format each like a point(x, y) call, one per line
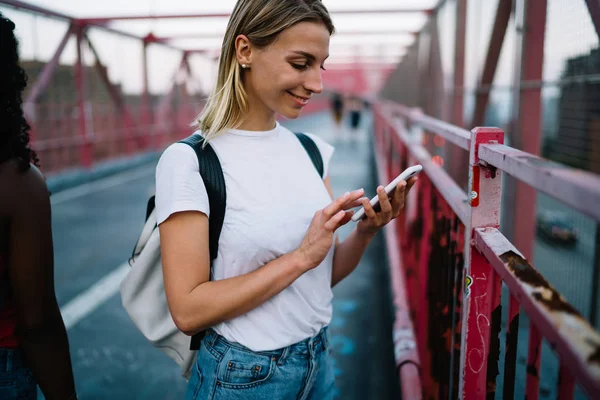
point(362, 313)
point(95, 227)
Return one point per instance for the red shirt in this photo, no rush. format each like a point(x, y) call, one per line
point(8, 313)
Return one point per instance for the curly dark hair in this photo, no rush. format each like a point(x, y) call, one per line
point(14, 129)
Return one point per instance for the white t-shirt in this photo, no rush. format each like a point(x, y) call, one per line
point(273, 191)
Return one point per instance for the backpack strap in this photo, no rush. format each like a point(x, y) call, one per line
point(214, 180)
point(313, 151)
point(212, 175)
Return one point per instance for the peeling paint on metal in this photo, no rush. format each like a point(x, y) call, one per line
point(512, 337)
point(523, 270)
point(527, 274)
point(493, 369)
point(532, 370)
point(595, 356)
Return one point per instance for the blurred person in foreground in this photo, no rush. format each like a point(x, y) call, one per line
point(266, 301)
point(34, 348)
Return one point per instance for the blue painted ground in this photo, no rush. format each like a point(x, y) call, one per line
point(94, 234)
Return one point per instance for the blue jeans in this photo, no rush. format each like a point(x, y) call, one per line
point(16, 379)
point(225, 370)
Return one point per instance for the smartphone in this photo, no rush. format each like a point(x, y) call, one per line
point(404, 176)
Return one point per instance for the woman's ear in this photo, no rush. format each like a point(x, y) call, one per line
point(243, 50)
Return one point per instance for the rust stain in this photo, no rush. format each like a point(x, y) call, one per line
point(556, 302)
point(512, 336)
point(490, 172)
point(523, 270)
point(527, 274)
point(494, 354)
point(548, 296)
point(595, 356)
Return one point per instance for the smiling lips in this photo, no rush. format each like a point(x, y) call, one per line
point(302, 101)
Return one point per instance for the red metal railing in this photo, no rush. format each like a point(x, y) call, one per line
point(449, 258)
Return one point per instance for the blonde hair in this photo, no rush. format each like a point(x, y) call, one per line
point(261, 21)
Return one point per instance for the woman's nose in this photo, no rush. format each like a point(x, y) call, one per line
point(314, 82)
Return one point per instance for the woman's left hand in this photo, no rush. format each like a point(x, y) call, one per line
point(390, 207)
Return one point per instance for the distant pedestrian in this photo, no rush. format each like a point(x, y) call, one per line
point(337, 110)
point(33, 341)
point(355, 111)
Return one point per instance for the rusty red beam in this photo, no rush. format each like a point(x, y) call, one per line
point(30, 7)
point(458, 136)
point(527, 135)
point(103, 20)
point(578, 189)
point(459, 160)
point(452, 133)
point(117, 98)
point(575, 341)
point(147, 116)
point(405, 343)
point(459, 62)
point(454, 195)
point(20, 5)
point(43, 79)
point(205, 35)
point(165, 103)
point(477, 352)
point(424, 247)
point(534, 357)
point(114, 94)
point(491, 61)
point(594, 9)
point(512, 340)
point(214, 51)
point(566, 383)
point(80, 84)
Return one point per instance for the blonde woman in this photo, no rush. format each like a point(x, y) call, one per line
point(266, 304)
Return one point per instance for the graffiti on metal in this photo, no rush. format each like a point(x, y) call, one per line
point(478, 354)
point(468, 283)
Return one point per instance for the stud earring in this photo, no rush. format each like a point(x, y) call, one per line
point(243, 65)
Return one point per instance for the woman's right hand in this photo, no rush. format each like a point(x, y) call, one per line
point(319, 237)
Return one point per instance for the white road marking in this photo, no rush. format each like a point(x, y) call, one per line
point(102, 184)
point(88, 301)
